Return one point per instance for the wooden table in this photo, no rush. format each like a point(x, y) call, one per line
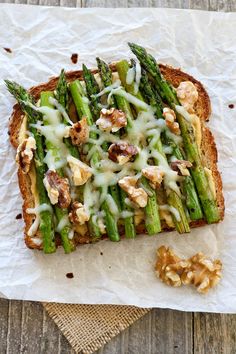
point(26, 328)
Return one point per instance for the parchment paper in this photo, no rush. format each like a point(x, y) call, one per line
point(42, 41)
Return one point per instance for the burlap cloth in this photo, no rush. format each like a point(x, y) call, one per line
point(89, 327)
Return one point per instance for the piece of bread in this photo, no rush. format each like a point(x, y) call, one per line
point(172, 75)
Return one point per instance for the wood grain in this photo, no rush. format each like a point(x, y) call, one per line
point(26, 328)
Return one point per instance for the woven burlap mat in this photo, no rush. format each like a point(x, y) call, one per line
point(89, 327)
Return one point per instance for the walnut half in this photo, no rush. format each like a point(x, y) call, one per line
point(79, 132)
point(198, 270)
point(153, 174)
point(122, 152)
point(111, 120)
point(137, 195)
point(78, 214)
point(170, 119)
point(25, 154)
point(188, 95)
point(181, 166)
point(58, 189)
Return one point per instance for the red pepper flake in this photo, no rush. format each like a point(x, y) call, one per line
point(74, 58)
point(231, 105)
point(8, 50)
point(18, 216)
point(70, 275)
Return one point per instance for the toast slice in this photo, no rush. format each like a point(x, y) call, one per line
point(208, 147)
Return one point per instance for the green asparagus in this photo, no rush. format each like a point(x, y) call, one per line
point(92, 89)
point(191, 197)
point(106, 77)
point(83, 109)
point(173, 198)
point(191, 149)
point(68, 244)
point(152, 220)
point(46, 218)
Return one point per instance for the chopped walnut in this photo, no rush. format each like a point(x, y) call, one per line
point(122, 152)
point(78, 214)
point(153, 174)
point(25, 154)
point(187, 94)
point(80, 171)
point(111, 120)
point(181, 166)
point(79, 132)
point(58, 189)
point(198, 270)
point(202, 273)
point(137, 195)
point(170, 119)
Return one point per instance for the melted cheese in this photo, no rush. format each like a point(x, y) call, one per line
point(211, 181)
point(130, 76)
point(181, 110)
point(62, 223)
point(36, 211)
point(172, 210)
point(196, 124)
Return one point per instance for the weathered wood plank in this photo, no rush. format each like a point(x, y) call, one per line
point(214, 333)
point(4, 311)
point(14, 327)
point(161, 331)
point(32, 327)
point(32, 2)
point(49, 2)
point(64, 346)
point(104, 3)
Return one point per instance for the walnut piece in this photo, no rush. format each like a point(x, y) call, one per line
point(153, 174)
point(170, 119)
point(58, 189)
point(198, 270)
point(25, 154)
point(78, 214)
point(181, 166)
point(137, 195)
point(111, 120)
point(122, 152)
point(187, 94)
point(79, 132)
point(80, 171)
point(203, 273)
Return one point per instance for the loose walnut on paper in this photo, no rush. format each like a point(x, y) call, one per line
point(198, 270)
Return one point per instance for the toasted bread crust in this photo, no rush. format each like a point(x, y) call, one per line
point(208, 147)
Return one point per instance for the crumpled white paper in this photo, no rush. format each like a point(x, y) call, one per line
point(42, 41)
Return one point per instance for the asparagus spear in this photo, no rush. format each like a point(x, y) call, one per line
point(167, 94)
point(173, 198)
point(62, 96)
point(68, 244)
point(191, 197)
point(106, 77)
point(92, 89)
point(152, 219)
point(46, 218)
point(83, 109)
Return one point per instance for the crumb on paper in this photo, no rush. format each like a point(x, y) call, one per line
point(101, 253)
point(74, 58)
point(18, 216)
point(69, 275)
point(8, 50)
point(199, 270)
point(231, 105)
